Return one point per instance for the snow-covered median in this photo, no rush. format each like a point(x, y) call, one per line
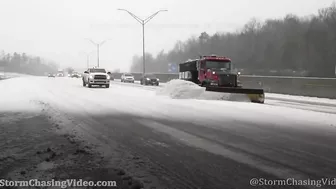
point(180, 89)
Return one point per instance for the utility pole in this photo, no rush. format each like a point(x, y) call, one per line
point(143, 22)
point(98, 46)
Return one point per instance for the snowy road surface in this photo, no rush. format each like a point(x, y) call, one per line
point(159, 141)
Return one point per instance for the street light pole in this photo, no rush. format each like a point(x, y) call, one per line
point(98, 54)
point(143, 22)
point(143, 49)
point(98, 46)
point(88, 58)
point(88, 61)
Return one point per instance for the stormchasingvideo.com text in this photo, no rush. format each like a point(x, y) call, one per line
point(56, 183)
point(293, 182)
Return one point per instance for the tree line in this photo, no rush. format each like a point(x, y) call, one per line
point(295, 46)
point(26, 64)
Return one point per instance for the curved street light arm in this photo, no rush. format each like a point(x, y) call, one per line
point(134, 16)
point(101, 43)
point(91, 41)
point(88, 53)
point(153, 15)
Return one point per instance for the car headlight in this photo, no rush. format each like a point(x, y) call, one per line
point(91, 77)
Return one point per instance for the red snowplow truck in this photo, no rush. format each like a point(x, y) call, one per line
point(217, 74)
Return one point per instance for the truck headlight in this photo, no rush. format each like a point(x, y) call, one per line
point(147, 79)
point(91, 77)
point(108, 77)
point(157, 79)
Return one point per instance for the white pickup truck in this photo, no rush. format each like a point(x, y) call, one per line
point(96, 76)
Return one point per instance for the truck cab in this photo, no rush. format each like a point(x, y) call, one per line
point(210, 71)
point(96, 76)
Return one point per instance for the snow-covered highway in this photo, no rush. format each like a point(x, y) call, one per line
point(143, 133)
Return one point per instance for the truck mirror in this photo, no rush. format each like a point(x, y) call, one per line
point(86, 72)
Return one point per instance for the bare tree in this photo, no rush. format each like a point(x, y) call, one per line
point(303, 46)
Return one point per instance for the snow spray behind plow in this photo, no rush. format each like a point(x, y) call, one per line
point(180, 89)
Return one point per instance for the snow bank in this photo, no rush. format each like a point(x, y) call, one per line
point(8, 75)
point(180, 89)
point(16, 95)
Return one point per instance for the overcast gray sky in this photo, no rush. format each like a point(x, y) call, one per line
point(55, 29)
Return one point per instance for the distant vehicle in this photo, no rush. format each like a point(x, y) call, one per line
point(127, 78)
point(75, 75)
point(111, 76)
point(60, 75)
point(51, 75)
point(96, 76)
point(149, 79)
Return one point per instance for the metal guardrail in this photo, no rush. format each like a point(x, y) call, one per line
point(303, 86)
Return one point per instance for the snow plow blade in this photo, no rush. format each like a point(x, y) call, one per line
point(255, 95)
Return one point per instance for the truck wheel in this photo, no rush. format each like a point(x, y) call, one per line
point(89, 85)
point(84, 84)
point(107, 86)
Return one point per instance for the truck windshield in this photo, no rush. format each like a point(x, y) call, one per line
point(218, 65)
point(97, 70)
point(129, 75)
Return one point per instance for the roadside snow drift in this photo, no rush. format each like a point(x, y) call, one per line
point(10, 75)
point(17, 95)
point(180, 89)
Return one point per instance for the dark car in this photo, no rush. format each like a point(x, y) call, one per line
point(111, 76)
point(51, 75)
point(149, 79)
